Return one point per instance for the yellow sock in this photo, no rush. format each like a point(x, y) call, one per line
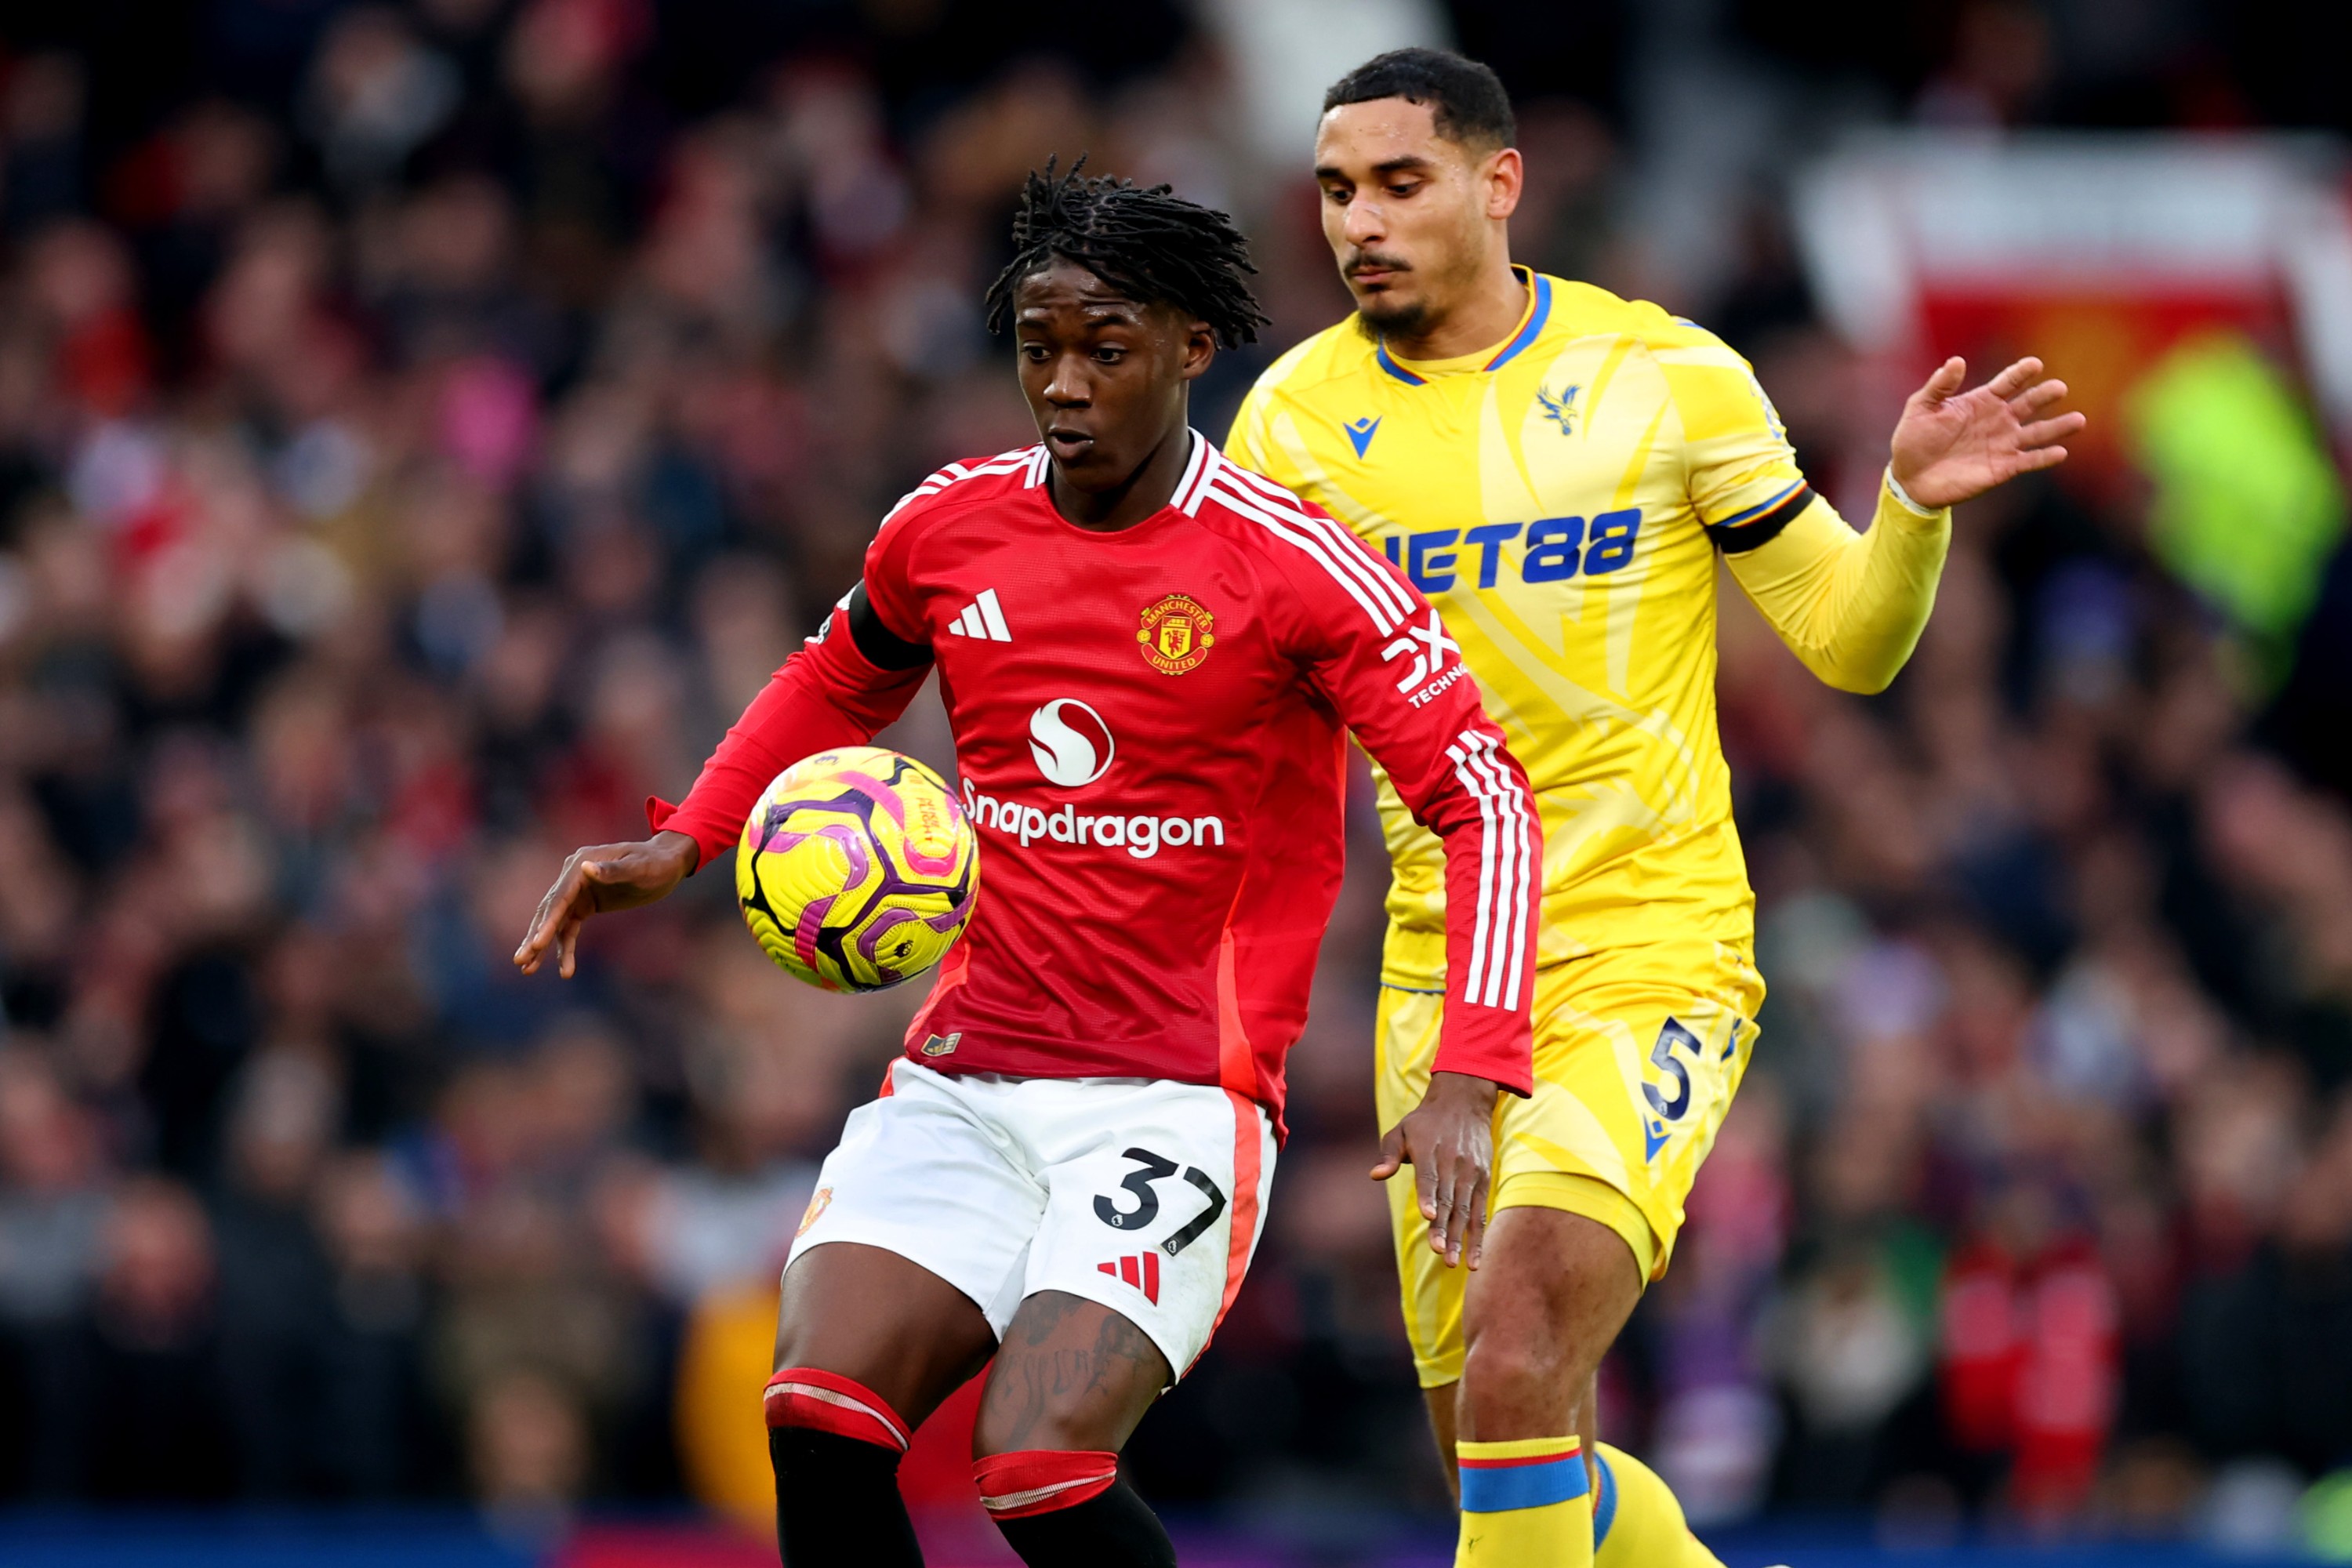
point(1525, 1504)
point(1636, 1522)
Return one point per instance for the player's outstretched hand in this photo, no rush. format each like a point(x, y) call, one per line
point(1449, 1140)
point(597, 880)
point(1952, 446)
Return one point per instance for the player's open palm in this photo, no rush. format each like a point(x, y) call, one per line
point(599, 879)
point(1953, 446)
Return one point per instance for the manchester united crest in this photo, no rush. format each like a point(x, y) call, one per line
point(1177, 633)
point(819, 1201)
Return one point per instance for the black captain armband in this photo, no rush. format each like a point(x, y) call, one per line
point(882, 648)
point(1737, 534)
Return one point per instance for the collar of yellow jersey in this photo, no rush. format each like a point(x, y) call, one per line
point(1416, 373)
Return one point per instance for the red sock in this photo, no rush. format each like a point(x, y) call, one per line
point(1041, 1481)
point(827, 1402)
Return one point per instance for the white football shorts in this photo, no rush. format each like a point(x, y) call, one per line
point(1144, 1195)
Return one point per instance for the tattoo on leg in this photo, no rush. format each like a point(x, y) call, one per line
point(1047, 1393)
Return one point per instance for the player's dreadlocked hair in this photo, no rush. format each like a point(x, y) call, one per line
point(1150, 245)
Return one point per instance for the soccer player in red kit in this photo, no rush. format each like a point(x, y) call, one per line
point(1150, 659)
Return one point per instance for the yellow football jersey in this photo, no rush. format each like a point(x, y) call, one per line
point(1560, 499)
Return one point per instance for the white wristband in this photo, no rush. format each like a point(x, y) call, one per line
point(1894, 487)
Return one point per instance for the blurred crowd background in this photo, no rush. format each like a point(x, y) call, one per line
point(424, 426)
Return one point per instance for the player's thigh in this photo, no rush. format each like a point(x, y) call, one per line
point(1554, 1291)
point(1404, 1043)
point(922, 1218)
point(1158, 1198)
point(871, 1315)
point(1071, 1375)
point(1638, 1053)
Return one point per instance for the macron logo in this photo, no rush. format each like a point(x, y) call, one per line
point(982, 618)
point(1360, 433)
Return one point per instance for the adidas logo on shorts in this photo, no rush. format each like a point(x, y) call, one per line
point(1141, 1270)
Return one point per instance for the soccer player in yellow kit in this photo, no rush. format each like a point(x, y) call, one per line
point(1559, 470)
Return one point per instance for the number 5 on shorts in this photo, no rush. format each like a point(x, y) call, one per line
point(1662, 1057)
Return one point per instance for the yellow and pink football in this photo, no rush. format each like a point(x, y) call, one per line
point(857, 869)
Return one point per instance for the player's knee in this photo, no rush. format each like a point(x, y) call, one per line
point(1028, 1483)
point(1503, 1360)
point(1538, 1319)
point(804, 1398)
point(1520, 1371)
point(1046, 1421)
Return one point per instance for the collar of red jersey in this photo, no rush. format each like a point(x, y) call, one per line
point(1201, 466)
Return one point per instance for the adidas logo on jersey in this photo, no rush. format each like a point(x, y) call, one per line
point(1141, 1270)
point(982, 618)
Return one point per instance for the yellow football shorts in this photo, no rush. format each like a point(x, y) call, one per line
point(1638, 1051)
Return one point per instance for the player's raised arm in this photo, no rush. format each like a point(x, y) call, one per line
point(1851, 606)
point(853, 677)
point(1952, 446)
point(1381, 655)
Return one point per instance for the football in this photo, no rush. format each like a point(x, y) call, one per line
point(857, 869)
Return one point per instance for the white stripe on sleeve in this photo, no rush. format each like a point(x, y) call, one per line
point(1348, 547)
point(1481, 936)
point(1498, 945)
point(1241, 503)
point(1513, 914)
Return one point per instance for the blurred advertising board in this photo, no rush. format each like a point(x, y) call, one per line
point(2100, 252)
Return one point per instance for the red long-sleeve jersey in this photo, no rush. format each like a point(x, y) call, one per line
point(1150, 730)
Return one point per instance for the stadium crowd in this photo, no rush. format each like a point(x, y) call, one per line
point(423, 428)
